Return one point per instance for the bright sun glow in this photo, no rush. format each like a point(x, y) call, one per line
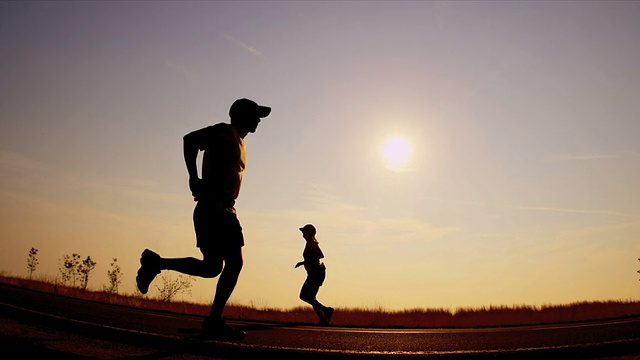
point(396, 152)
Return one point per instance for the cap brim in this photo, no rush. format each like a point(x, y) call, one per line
point(264, 111)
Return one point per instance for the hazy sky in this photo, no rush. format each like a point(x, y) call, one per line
point(522, 118)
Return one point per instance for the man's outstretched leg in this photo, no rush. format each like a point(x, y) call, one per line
point(214, 325)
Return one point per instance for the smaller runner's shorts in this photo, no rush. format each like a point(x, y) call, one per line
point(217, 227)
point(317, 274)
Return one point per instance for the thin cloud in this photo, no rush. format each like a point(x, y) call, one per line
point(597, 230)
point(409, 229)
point(19, 161)
point(179, 69)
point(544, 208)
point(139, 188)
point(245, 46)
point(574, 157)
point(74, 211)
point(400, 168)
point(491, 235)
point(14, 162)
point(353, 222)
point(574, 211)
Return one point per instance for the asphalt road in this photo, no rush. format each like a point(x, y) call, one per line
point(41, 324)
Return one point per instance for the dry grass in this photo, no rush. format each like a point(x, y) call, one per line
point(409, 318)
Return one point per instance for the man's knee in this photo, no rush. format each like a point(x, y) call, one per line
point(234, 263)
point(233, 267)
point(212, 270)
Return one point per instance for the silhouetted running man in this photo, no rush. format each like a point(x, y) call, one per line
point(316, 274)
point(218, 232)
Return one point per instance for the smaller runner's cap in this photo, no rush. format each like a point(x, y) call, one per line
point(308, 229)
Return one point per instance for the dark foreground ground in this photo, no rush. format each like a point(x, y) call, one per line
point(41, 325)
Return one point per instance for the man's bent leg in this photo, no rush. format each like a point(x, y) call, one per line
point(207, 268)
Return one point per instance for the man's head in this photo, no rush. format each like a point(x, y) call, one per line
point(245, 114)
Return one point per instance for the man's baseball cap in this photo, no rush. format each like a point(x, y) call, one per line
point(245, 107)
point(308, 228)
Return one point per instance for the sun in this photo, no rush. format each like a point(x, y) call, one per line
point(396, 152)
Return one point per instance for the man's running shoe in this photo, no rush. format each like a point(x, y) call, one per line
point(149, 268)
point(214, 329)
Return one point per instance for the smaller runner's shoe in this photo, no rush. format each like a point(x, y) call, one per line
point(328, 313)
point(325, 316)
point(149, 268)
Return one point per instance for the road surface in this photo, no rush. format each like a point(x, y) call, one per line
point(43, 324)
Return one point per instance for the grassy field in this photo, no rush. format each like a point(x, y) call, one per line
point(379, 317)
